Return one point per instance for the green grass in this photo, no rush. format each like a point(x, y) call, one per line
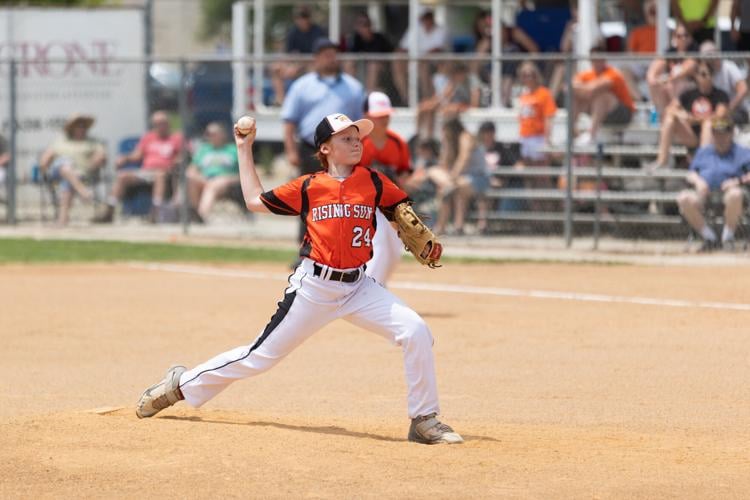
point(31, 251)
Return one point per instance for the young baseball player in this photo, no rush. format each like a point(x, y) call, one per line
point(337, 206)
point(387, 152)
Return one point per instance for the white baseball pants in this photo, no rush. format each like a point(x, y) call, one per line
point(309, 304)
point(386, 250)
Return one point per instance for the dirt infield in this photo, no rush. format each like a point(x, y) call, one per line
point(575, 393)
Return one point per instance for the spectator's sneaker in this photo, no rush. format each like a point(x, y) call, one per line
point(652, 166)
point(728, 245)
point(584, 139)
point(709, 246)
point(105, 215)
point(161, 395)
point(429, 430)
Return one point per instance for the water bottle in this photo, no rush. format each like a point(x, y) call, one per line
point(654, 117)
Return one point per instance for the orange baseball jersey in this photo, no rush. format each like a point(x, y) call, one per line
point(339, 216)
point(394, 155)
point(619, 87)
point(535, 108)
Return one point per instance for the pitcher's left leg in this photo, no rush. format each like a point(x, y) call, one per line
point(376, 309)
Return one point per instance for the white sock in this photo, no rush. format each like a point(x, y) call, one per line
point(727, 234)
point(111, 201)
point(708, 234)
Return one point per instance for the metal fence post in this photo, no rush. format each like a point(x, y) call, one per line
point(182, 104)
point(568, 228)
point(10, 174)
point(598, 199)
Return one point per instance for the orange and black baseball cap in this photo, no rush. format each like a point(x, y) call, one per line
point(335, 123)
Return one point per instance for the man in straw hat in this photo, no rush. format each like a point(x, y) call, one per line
point(70, 158)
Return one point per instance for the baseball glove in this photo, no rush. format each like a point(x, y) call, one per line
point(417, 237)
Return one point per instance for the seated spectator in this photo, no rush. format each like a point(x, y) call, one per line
point(418, 185)
point(159, 151)
point(498, 154)
point(460, 92)
point(568, 45)
point(71, 158)
point(687, 120)
point(731, 79)
point(601, 93)
point(698, 16)
point(740, 22)
point(365, 40)
point(641, 40)
point(429, 107)
point(282, 72)
point(302, 36)
point(632, 12)
point(431, 39)
point(668, 78)
point(514, 41)
point(481, 71)
point(460, 176)
point(300, 39)
point(720, 168)
point(213, 171)
point(536, 113)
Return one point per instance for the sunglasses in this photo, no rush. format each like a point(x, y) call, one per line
point(682, 35)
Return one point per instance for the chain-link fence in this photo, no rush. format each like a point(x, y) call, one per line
point(544, 174)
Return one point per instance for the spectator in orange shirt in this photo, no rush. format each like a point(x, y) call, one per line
point(642, 40)
point(387, 152)
point(602, 93)
point(536, 111)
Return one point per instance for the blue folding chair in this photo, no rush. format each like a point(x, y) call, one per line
point(137, 199)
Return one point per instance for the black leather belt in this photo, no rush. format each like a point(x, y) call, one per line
point(349, 277)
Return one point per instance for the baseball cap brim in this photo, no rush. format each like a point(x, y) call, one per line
point(377, 113)
point(364, 126)
point(337, 123)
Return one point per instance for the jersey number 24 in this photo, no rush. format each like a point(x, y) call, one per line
point(361, 235)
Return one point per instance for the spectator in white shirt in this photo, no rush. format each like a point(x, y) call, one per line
point(431, 38)
point(732, 80)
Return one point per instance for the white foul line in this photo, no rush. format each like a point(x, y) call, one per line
point(478, 290)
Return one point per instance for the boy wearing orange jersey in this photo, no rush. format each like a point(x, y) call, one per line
point(337, 208)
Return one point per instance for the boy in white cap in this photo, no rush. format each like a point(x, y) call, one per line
point(387, 152)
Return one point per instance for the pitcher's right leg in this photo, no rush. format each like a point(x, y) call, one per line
point(295, 320)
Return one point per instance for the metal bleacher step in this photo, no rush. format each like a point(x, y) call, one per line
point(604, 196)
point(605, 218)
point(627, 150)
point(591, 172)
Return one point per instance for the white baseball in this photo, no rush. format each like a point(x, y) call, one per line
point(245, 124)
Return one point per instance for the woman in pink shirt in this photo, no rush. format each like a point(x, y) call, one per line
point(158, 152)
